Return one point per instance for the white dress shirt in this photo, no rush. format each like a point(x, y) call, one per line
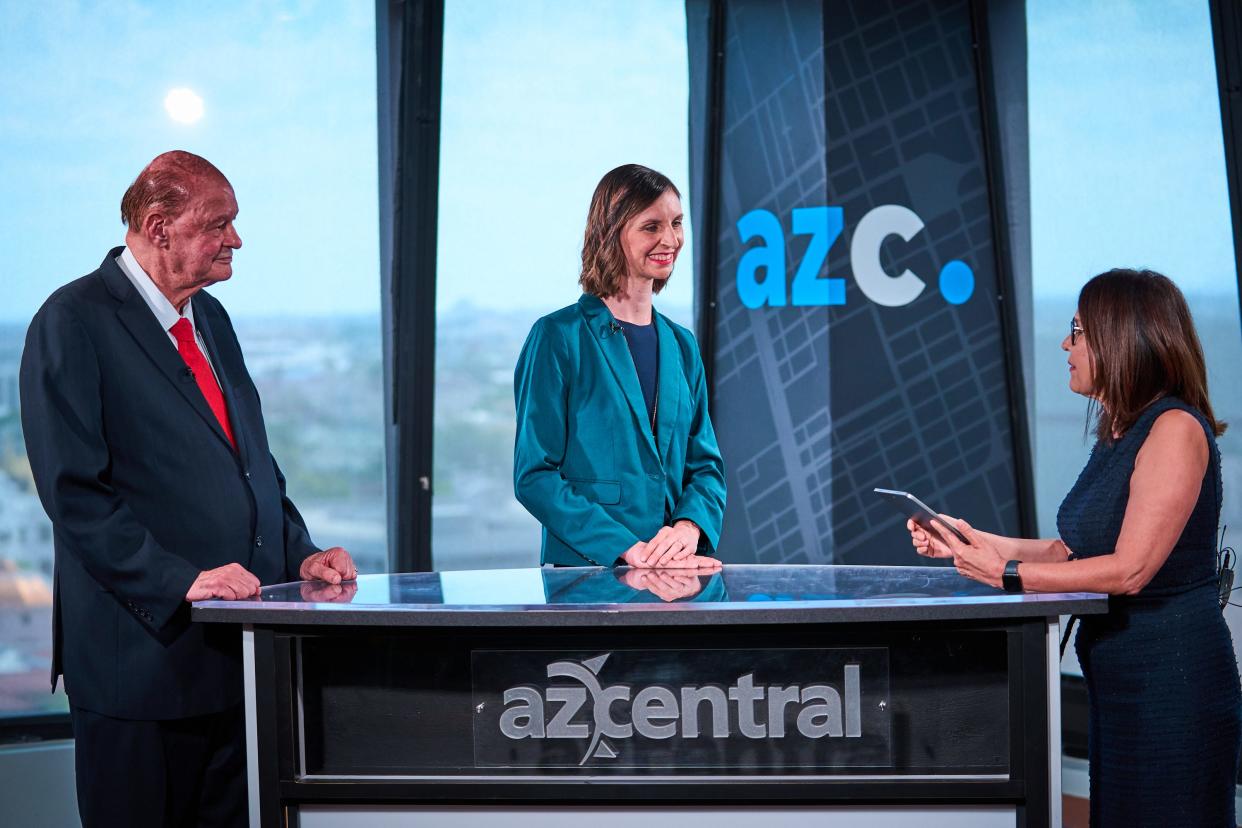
point(164, 311)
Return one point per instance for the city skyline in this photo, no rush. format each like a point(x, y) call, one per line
point(323, 400)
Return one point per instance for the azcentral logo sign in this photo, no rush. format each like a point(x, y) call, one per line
point(770, 708)
point(658, 713)
point(824, 226)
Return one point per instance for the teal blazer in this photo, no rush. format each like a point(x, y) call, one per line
point(585, 462)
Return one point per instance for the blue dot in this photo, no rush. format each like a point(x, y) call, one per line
point(957, 282)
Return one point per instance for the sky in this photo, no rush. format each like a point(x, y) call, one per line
point(1127, 158)
point(288, 91)
point(1127, 170)
point(540, 99)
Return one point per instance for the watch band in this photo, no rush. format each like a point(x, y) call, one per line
point(1011, 580)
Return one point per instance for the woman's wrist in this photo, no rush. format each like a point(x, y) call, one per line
point(692, 526)
point(1011, 578)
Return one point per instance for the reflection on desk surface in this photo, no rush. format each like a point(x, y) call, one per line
point(625, 587)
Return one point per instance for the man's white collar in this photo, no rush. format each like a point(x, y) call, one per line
point(164, 311)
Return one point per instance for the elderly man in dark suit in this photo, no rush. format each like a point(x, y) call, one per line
point(145, 435)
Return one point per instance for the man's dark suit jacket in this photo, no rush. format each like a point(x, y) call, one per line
point(144, 492)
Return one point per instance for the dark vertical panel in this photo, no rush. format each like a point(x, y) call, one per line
point(925, 403)
point(770, 395)
point(1004, 48)
point(267, 715)
point(1227, 38)
point(413, 277)
point(1037, 807)
point(1006, 230)
point(388, 90)
point(1227, 41)
point(705, 33)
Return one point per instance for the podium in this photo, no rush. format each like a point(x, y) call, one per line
point(877, 696)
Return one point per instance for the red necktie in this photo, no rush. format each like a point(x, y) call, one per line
point(183, 331)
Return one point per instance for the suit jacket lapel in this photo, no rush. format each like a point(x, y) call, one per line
point(607, 333)
point(143, 327)
point(203, 320)
point(670, 384)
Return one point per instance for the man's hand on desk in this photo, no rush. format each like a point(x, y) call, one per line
point(331, 565)
point(229, 582)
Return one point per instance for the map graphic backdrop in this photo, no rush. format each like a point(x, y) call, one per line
point(852, 106)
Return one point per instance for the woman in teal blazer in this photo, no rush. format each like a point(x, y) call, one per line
point(615, 454)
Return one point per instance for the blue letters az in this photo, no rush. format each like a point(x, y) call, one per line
point(823, 225)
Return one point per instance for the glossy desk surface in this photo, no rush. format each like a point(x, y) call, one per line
point(597, 596)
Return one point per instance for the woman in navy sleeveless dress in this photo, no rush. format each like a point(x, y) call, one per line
point(1140, 524)
point(1160, 670)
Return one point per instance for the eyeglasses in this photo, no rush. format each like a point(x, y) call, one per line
point(1075, 332)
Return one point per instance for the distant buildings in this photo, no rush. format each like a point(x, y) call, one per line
point(25, 531)
point(25, 601)
point(8, 386)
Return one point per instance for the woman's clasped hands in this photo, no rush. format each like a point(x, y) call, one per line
point(978, 560)
point(673, 547)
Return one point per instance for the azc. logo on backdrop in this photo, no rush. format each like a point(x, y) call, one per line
point(824, 226)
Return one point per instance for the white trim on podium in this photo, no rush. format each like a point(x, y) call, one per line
point(252, 727)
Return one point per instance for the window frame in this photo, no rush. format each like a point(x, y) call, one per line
point(410, 121)
point(1226, 20)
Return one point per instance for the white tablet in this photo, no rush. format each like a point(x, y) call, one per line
point(918, 511)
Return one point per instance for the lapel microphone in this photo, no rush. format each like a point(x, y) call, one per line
point(613, 327)
point(1225, 561)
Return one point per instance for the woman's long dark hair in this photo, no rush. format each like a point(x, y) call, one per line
point(1143, 346)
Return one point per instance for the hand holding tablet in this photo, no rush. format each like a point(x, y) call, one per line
point(919, 512)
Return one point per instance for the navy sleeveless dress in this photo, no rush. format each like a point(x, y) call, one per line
point(1162, 679)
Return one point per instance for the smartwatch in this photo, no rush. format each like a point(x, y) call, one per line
point(1011, 580)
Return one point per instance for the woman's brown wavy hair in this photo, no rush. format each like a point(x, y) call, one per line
point(620, 195)
point(1143, 346)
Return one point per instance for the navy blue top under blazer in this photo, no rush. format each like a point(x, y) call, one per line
point(144, 492)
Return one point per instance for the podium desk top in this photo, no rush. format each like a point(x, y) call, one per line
point(604, 597)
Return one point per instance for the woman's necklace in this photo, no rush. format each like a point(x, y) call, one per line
point(655, 405)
